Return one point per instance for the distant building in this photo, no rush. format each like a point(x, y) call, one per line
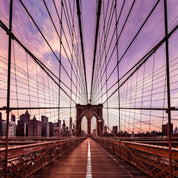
point(45, 126)
point(56, 129)
point(67, 132)
point(59, 126)
point(70, 121)
point(115, 129)
point(22, 126)
point(132, 135)
point(0, 124)
point(21, 129)
point(3, 128)
point(165, 129)
point(175, 130)
point(13, 118)
point(51, 129)
point(105, 129)
point(73, 130)
point(12, 128)
point(63, 128)
point(25, 117)
point(34, 127)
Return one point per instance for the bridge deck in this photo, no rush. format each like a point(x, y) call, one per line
point(89, 160)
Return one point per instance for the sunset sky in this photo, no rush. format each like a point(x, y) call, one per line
point(31, 87)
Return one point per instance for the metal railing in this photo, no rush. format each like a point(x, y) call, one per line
point(27, 159)
point(152, 159)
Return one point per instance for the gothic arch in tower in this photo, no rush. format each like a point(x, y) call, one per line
point(89, 111)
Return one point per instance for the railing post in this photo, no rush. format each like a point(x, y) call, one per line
point(8, 88)
point(168, 86)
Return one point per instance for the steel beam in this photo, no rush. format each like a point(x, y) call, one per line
point(8, 88)
point(168, 86)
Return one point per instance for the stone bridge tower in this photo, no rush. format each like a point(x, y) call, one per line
point(89, 111)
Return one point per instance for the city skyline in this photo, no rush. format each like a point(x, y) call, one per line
point(50, 129)
point(29, 126)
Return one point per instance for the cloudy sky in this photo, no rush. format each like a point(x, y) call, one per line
point(32, 87)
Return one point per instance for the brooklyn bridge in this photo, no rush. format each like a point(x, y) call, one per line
point(88, 88)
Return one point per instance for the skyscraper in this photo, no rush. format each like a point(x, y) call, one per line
point(0, 124)
point(73, 130)
point(12, 128)
point(45, 126)
point(63, 127)
point(70, 126)
point(34, 127)
point(51, 129)
point(165, 129)
point(22, 128)
point(59, 126)
point(115, 129)
point(13, 118)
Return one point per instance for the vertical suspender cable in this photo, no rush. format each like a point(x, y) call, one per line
point(8, 89)
point(168, 86)
point(59, 90)
point(117, 50)
point(82, 47)
point(15, 73)
point(95, 47)
point(105, 61)
point(72, 61)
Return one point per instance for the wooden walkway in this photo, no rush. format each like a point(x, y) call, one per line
point(89, 160)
